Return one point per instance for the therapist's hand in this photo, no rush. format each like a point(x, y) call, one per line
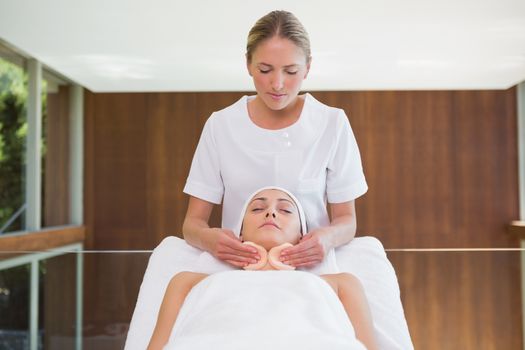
point(229, 248)
point(310, 251)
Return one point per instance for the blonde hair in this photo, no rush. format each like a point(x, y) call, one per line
point(282, 24)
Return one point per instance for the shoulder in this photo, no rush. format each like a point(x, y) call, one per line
point(222, 120)
point(342, 281)
point(325, 114)
point(186, 279)
point(321, 108)
point(332, 281)
point(325, 121)
point(232, 111)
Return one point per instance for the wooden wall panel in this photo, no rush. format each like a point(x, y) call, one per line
point(120, 171)
point(172, 135)
point(115, 208)
point(58, 302)
point(442, 172)
point(56, 175)
point(461, 300)
point(441, 166)
point(89, 168)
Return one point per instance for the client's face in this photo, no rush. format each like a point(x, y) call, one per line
point(271, 219)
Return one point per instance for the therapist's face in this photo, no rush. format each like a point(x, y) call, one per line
point(278, 68)
point(271, 219)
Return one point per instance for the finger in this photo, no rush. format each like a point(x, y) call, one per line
point(299, 248)
point(300, 258)
point(304, 261)
point(238, 258)
point(313, 251)
point(237, 252)
point(307, 264)
point(245, 248)
point(233, 246)
point(236, 263)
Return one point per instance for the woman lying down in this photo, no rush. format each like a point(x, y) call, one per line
point(277, 308)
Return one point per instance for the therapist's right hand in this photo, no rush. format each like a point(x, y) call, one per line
point(228, 247)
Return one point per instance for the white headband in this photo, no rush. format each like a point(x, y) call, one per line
point(302, 218)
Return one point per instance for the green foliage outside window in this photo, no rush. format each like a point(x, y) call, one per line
point(13, 132)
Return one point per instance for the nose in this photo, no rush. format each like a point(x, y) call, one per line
point(268, 214)
point(277, 81)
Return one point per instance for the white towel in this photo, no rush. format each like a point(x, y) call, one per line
point(260, 310)
point(363, 256)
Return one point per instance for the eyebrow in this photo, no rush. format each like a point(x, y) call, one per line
point(287, 66)
point(264, 199)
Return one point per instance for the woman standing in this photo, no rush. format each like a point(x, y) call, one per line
point(276, 138)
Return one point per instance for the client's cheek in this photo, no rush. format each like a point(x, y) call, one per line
point(262, 253)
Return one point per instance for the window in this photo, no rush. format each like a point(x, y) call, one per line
point(13, 130)
point(14, 307)
point(18, 203)
point(35, 166)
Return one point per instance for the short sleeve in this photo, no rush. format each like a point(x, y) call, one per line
point(345, 178)
point(204, 180)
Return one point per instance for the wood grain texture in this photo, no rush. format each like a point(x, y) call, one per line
point(42, 240)
point(441, 166)
point(461, 300)
point(442, 172)
point(517, 228)
point(58, 302)
point(12, 245)
point(56, 175)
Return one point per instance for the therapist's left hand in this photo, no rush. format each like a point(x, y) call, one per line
point(310, 251)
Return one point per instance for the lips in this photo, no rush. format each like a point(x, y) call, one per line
point(277, 96)
point(269, 223)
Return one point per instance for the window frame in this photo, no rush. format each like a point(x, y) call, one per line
point(36, 73)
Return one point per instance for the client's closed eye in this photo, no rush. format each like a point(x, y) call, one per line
point(285, 208)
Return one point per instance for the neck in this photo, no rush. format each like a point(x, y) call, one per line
point(275, 119)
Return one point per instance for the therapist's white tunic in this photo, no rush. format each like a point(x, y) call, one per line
point(316, 158)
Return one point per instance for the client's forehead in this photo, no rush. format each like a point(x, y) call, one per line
point(272, 194)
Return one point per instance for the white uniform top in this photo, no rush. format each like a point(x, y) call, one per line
point(316, 158)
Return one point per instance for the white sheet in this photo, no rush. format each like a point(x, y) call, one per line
point(363, 256)
point(263, 310)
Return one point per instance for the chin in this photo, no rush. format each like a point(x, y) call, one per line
point(276, 105)
point(269, 242)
